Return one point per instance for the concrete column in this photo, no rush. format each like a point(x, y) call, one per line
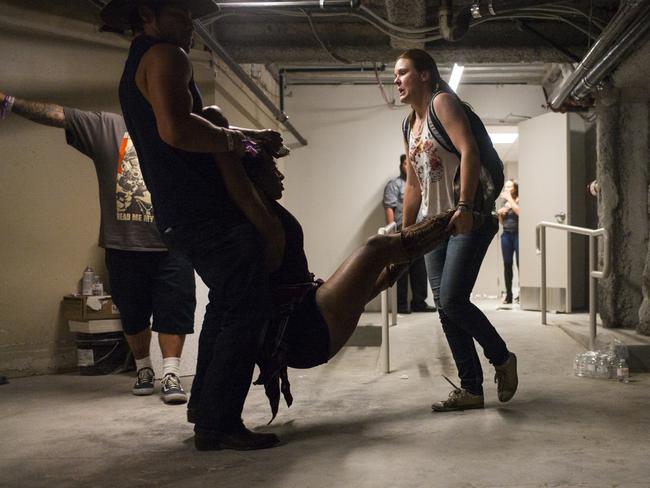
point(623, 208)
point(644, 310)
point(607, 132)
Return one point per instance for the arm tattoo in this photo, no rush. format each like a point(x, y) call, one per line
point(42, 113)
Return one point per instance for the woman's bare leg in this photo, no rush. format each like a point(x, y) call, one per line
point(343, 296)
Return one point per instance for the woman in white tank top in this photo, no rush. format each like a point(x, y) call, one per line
point(453, 266)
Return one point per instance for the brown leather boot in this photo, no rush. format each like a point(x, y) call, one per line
point(419, 239)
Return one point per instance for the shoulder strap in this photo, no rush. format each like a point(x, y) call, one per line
point(437, 130)
point(406, 127)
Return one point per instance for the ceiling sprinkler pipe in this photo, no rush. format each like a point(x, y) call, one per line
point(323, 4)
point(629, 11)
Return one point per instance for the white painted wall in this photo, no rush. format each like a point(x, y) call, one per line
point(335, 184)
point(49, 209)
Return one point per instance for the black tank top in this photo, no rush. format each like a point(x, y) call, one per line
point(294, 268)
point(511, 221)
point(185, 187)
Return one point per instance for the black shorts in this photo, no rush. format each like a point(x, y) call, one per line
point(157, 283)
point(307, 335)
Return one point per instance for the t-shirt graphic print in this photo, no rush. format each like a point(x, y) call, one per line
point(133, 200)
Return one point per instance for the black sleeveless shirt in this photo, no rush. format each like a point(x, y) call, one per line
point(185, 187)
point(294, 268)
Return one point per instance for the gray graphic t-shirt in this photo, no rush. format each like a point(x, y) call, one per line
point(127, 221)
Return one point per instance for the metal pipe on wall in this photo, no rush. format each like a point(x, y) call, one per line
point(613, 56)
point(279, 115)
point(626, 14)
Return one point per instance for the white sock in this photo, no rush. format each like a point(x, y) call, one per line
point(171, 365)
point(143, 363)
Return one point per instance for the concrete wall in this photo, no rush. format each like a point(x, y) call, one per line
point(335, 184)
point(624, 176)
point(49, 209)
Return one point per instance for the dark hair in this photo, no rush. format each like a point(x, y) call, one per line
point(402, 158)
point(135, 19)
point(423, 62)
point(515, 186)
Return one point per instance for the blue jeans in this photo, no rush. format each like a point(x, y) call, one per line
point(452, 268)
point(231, 263)
point(509, 247)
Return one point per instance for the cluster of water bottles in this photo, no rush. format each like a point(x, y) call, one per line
point(607, 363)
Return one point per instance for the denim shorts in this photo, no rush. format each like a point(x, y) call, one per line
point(158, 283)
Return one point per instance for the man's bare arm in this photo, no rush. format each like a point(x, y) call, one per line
point(163, 77)
point(41, 113)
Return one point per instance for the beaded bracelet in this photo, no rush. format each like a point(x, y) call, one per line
point(6, 105)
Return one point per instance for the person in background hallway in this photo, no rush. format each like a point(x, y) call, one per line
point(509, 219)
point(206, 207)
point(445, 173)
point(145, 278)
point(417, 272)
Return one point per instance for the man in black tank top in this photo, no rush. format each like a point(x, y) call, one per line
point(205, 206)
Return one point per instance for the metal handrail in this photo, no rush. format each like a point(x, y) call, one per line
point(385, 347)
point(594, 274)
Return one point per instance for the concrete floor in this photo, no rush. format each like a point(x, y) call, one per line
point(350, 425)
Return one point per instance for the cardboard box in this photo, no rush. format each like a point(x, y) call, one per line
point(82, 308)
point(101, 326)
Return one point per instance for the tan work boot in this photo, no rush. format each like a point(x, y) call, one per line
point(459, 399)
point(506, 378)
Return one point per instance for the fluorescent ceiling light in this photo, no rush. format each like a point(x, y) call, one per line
point(456, 73)
point(503, 138)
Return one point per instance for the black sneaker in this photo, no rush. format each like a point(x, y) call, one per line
point(171, 390)
point(239, 439)
point(144, 383)
point(423, 308)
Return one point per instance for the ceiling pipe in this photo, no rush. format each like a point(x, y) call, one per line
point(334, 69)
point(491, 8)
point(612, 57)
point(279, 115)
point(453, 28)
point(629, 11)
point(323, 4)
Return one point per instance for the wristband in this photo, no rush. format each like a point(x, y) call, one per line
point(6, 105)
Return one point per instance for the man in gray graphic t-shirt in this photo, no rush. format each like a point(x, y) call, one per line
point(145, 278)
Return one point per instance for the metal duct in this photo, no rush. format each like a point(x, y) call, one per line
point(632, 9)
point(279, 115)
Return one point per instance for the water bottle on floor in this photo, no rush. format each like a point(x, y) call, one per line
point(622, 371)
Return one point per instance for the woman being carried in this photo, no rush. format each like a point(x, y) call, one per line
point(313, 319)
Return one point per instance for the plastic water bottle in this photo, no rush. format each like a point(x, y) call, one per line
point(622, 371)
point(87, 281)
point(98, 286)
point(577, 370)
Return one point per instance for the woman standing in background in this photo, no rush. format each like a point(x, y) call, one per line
point(509, 219)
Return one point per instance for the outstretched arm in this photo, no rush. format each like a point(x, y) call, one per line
point(41, 113)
